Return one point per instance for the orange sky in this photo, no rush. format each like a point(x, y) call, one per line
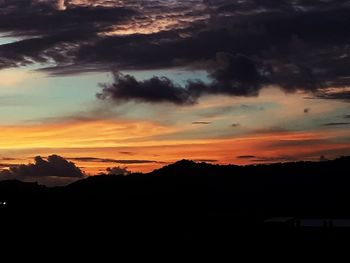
point(268, 128)
point(128, 141)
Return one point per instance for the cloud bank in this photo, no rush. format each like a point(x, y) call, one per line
point(54, 166)
point(243, 45)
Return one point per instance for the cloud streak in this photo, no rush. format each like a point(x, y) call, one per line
point(107, 160)
point(201, 122)
point(336, 124)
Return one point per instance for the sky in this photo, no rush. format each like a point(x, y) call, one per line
point(139, 84)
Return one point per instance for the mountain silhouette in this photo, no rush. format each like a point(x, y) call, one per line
point(192, 201)
point(294, 188)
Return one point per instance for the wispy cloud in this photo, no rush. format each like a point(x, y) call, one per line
point(335, 124)
point(202, 122)
point(106, 160)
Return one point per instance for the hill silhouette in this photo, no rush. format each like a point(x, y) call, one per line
point(297, 188)
point(188, 200)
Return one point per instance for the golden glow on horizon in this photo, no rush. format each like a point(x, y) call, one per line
point(262, 145)
point(100, 133)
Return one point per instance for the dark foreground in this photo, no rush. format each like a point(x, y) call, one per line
point(192, 206)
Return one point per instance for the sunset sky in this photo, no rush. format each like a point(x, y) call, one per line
point(143, 83)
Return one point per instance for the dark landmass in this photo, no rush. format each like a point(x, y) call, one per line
point(196, 203)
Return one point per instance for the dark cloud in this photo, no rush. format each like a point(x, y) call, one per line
point(244, 45)
point(201, 122)
point(54, 166)
point(232, 75)
point(236, 74)
point(126, 87)
point(304, 48)
point(335, 94)
point(294, 5)
point(273, 159)
point(48, 34)
point(336, 124)
point(107, 160)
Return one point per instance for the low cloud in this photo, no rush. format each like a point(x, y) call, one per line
point(266, 159)
point(118, 171)
point(201, 122)
point(108, 160)
point(274, 159)
point(338, 93)
point(205, 160)
point(336, 124)
point(53, 166)
point(53, 171)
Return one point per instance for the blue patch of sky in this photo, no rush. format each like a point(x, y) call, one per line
point(44, 96)
point(6, 38)
point(48, 97)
